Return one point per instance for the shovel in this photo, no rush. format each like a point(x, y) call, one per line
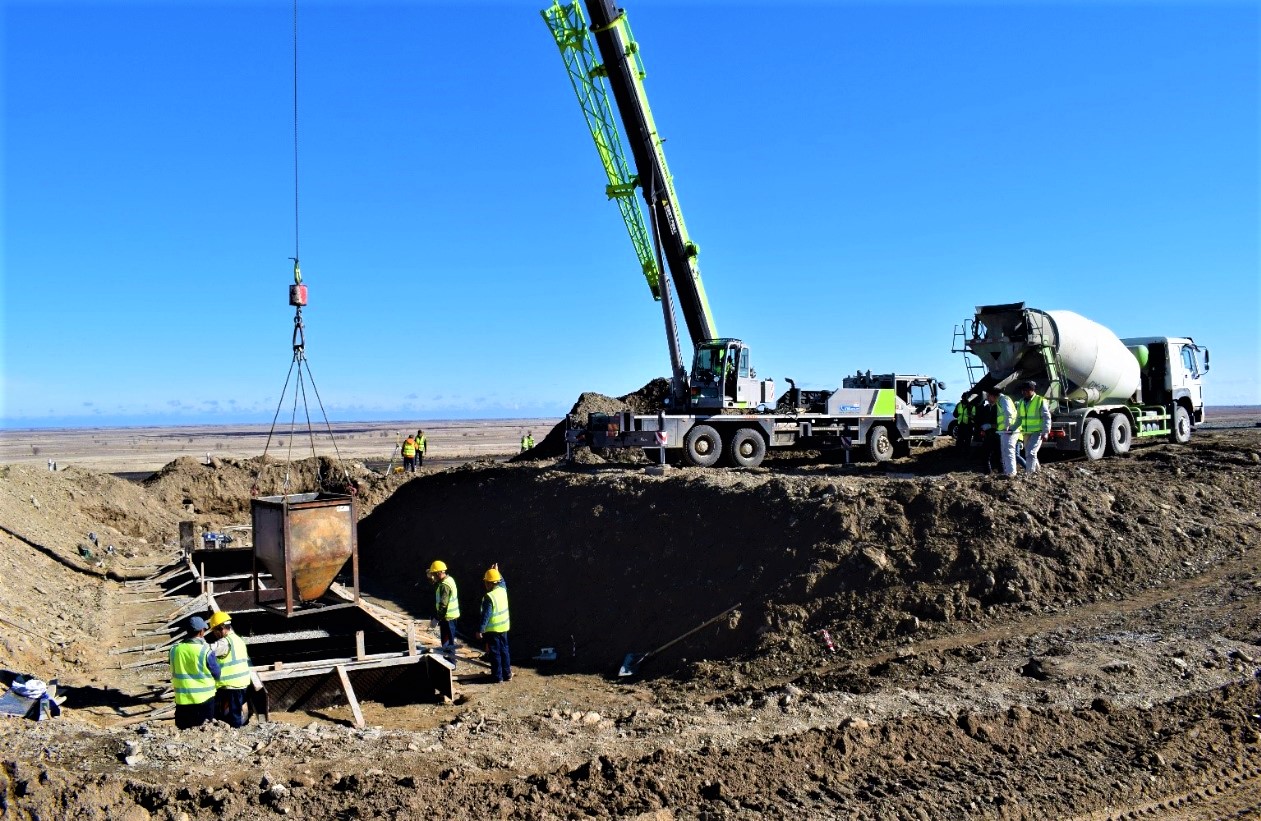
point(632, 661)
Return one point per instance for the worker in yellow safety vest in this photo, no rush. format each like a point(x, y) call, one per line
point(495, 624)
point(446, 607)
point(409, 455)
point(527, 441)
point(234, 663)
point(422, 445)
point(1007, 424)
point(965, 416)
point(194, 674)
point(1034, 417)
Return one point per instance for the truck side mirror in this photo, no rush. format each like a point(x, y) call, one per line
point(1206, 360)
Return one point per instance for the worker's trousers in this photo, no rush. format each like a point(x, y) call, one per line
point(194, 715)
point(1033, 444)
point(446, 631)
point(230, 706)
point(500, 659)
point(1008, 442)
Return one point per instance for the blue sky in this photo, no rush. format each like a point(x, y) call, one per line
point(859, 176)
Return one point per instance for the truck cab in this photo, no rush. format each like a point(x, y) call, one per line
point(915, 402)
point(722, 378)
point(1171, 372)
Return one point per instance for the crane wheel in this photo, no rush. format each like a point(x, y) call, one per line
point(702, 446)
point(747, 448)
point(879, 445)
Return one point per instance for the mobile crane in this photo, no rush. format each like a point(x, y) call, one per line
point(720, 407)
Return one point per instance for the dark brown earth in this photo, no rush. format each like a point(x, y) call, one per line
point(1082, 644)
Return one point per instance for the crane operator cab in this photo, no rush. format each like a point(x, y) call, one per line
point(723, 379)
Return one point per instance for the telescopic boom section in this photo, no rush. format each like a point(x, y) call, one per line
point(625, 78)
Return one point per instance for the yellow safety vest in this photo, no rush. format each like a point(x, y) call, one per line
point(1030, 413)
point(235, 667)
point(422, 444)
point(963, 413)
point(453, 599)
point(498, 610)
point(1006, 414)
point(190, 675)
point(409, 446)
point(527, 442)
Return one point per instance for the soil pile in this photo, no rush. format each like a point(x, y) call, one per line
point(648, 399)
point(218, 494)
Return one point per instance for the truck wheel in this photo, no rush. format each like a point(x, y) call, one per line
point(1094, 439)
point(747, 448)
point(878, 444)
point(702, 446)
point(1181, 433)
point(1120, 434)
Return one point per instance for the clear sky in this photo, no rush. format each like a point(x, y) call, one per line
point(858, 175)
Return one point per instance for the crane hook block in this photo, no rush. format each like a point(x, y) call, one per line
point(297, 295)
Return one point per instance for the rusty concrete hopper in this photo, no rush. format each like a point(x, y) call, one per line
point(304, 540)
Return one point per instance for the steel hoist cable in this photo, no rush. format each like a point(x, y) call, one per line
point(299, 367)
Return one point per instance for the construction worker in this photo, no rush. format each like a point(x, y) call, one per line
point(1008, 426)
point(965, 415)
point(527, 441)
point(1034, 417)
point(494, 626)
point(422, 445)
point(987, 423)
point(234, 663)
point(446, 607)
point(194, 675)
point(409, 455)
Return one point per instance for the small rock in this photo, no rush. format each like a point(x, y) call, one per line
point(591, 718)
point(856, 724)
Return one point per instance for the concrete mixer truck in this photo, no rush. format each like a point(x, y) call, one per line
point(1104, 392)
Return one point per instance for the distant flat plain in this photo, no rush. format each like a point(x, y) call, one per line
point(140, 450)
point(137, 450)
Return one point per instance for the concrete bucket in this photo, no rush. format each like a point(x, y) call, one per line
point(304, 540)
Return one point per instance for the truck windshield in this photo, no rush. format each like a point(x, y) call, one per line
point(709, 361)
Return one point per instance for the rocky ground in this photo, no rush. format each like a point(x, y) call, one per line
point(1082, 644)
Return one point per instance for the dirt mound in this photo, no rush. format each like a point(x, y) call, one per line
point(648, 399)
point(61, 533)
point(219, 493)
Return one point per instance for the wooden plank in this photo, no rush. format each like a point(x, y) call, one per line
point(291, 672)
point(360, 651)
point(350, 695)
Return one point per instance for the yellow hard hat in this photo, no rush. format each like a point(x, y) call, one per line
point(492, 575)
point(438, 567)
point(219, 617)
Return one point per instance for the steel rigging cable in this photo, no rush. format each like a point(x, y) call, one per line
point(298, 299)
